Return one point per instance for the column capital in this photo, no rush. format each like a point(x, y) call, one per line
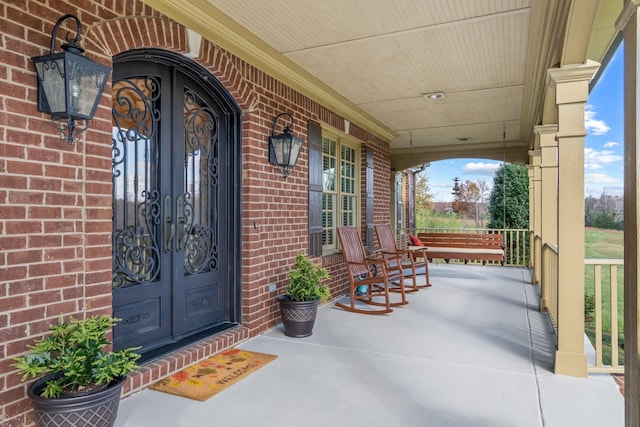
point(573, 72)
point(630, 6)
point(533, 172)
point(546, 129)
point(534, 157)
point(571, 82)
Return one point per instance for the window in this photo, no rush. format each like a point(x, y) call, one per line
point(340, 189)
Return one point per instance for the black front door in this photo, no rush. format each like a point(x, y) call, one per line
point(171, 230)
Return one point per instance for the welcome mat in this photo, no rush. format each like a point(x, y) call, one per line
point(211, 376)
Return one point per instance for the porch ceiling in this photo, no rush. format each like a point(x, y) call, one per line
point(378, 57)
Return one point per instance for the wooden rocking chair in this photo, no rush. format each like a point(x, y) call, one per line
point(411, 259)
point(373, 273)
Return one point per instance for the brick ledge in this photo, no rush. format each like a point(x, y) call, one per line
point(171, 363)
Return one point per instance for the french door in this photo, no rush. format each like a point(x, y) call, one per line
point(171, 210)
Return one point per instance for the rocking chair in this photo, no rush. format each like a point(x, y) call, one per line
point(411, 259)
point(374, 274)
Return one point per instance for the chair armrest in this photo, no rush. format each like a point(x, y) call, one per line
point(420, 252)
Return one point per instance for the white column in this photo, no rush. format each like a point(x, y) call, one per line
point(572, 90)
point(535, 221)
point(548, 196)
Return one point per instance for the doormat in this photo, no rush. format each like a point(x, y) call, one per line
point(209, 377)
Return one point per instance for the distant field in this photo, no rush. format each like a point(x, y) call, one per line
point(605, 244)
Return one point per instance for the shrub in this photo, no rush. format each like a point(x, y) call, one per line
point(589, 307)
point(305, 281)
point(75, 350)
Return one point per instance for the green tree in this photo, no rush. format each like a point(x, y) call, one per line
point(509, 199)
point(606, 220)
point(424, 199)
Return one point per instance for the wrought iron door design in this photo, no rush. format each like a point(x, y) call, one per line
point(168, 144)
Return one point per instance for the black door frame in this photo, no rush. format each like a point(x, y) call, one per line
point(233, 193)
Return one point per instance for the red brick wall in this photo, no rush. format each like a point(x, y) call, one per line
point(55, 198)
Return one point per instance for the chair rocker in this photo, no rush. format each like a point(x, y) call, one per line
point(411, 259)
point(374, 273)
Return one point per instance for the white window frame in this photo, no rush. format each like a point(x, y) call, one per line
point(330, 234)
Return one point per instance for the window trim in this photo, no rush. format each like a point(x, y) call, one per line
point(341, 139)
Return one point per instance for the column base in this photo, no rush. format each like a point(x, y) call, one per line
point(572, 364)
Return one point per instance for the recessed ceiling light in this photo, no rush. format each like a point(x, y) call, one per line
point(434, 95)
point(463, 138)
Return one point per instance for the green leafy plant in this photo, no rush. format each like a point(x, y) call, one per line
point(75, 351)
point(305, 281)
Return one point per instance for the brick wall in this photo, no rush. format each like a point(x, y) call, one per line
point(55, 198)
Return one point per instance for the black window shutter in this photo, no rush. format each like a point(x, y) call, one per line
point(399, 201)
point(315, 188)
point(368, 203)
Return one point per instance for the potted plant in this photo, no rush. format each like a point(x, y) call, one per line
point(299, 303)
point(81, 382)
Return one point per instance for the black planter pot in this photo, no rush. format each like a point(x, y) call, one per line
point(93, 409)
point(298, 317)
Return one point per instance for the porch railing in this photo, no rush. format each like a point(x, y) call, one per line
point(603, 302)
point(604, 313)
point(550, 280)
point(516, 242)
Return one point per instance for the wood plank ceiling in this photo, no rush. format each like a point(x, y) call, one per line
point(385, 56)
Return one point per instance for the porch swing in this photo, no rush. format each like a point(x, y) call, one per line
point(471, 246)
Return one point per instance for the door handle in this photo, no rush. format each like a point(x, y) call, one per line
point(181, 224)
point(169, 226)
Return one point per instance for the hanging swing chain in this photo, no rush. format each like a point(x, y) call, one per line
point(504, 184)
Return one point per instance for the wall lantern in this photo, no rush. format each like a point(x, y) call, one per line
point(284, 149)
point(69, 85)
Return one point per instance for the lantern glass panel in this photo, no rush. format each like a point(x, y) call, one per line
point(281, 149)
point(85, 80)
point(50, 71)
point(296, 145)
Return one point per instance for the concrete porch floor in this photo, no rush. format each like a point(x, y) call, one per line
point(472, 350)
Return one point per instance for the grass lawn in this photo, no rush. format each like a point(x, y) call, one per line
point(601, 243)
point(605, 244)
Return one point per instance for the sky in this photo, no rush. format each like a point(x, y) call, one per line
point(603, 152)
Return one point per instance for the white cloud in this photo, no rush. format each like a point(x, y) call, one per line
point(592, 166)
point(597, 127)
point(480, 168)
point(441, 191)
point(441, 185)
point(610, 144)
point(598, 178)
point(604, 156)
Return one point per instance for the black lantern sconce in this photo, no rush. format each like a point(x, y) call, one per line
point(284, 149)
point(69, 85)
